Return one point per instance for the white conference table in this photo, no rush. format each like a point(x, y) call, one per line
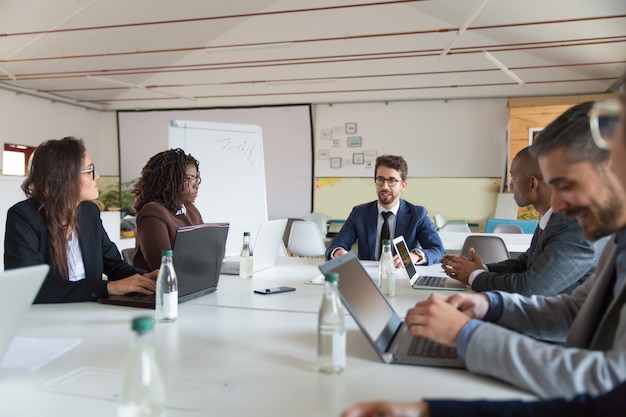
point(296, 272)
point(230, 353)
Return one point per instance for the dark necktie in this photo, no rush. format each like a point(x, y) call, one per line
point(385, 234)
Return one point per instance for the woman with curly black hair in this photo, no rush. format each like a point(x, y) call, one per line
point(164, 196)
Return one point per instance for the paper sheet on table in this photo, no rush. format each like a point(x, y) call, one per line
point(31, 353)
point(106, 384)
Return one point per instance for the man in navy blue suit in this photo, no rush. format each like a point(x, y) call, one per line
point(388, 217)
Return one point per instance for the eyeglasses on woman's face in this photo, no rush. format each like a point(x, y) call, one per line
point(91, 169)
point(604, 117)
point(191, 180)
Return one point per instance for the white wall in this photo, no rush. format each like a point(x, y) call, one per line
point(454, 138)
point(29, 121)
point(464, 129)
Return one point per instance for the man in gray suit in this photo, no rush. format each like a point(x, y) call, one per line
point(588, 327)
point(559, 258)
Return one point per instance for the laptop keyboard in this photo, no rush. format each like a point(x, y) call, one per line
point(140, 297)
point(422, 346)
point(430, 281)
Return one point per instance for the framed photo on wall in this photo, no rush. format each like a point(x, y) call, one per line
point(335, 162)
point(354, 141)
point(350, 128)
point(370, 155)
point(357, 158)
point(323, 154)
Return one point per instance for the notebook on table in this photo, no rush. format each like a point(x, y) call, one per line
point(424, 282)
point(198, 254)
point(382, 327)
point(265, 248)
point(21, 286)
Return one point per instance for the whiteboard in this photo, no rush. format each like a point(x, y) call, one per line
point(232, 171)
point(287, 130)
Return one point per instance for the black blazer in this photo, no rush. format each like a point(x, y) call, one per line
point(26, 243)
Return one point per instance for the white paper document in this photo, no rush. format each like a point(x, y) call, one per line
point(31, 353)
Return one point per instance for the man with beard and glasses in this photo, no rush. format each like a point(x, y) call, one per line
point(564, 345)
point(389, 217)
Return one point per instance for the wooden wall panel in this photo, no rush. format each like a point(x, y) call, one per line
point(536, 112)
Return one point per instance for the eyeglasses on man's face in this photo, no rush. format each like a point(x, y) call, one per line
point(193, 180)
point(380, 181)
point(604, 117)
point(91, 169)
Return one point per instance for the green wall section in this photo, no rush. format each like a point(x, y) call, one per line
point(470, 199)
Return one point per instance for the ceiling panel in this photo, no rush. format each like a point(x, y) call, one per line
point(116, 54)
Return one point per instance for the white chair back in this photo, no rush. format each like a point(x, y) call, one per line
point(456, 227)
point(439, 221)
point(507, 228)
point(306, 240)
point(490, 249)
point(320, 220)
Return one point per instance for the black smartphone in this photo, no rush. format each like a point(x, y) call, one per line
point(274, 290)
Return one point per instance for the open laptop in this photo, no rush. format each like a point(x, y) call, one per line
point(424, 282)
point(377, 319)
point(264, 250)
point(20, 286)
point(198, 254)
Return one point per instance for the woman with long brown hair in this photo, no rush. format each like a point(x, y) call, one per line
point(59, 225)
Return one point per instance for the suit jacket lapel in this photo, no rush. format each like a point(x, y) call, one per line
point(604, 336)
point(591, 317)
point(371, 226)
point(86, 235)
point(402, 220)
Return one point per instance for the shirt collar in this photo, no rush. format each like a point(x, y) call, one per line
point(545, 219)
point(183, 211)
point(620, 240)
point(394, 209)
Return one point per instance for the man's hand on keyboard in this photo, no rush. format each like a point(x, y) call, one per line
point(460, 267)
point(474, 306)
point(437, 320)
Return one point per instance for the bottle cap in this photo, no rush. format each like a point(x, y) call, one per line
point(386, 242)
point(167, 252)
point(143, 324)
point(331, 277)
point(246, 233)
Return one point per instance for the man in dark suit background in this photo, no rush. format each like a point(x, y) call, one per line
point(388, 217)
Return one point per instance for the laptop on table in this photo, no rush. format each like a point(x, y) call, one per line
point(424, 282)
point(382, 327)
point(198, 254)
point(21, 287)
point(265, 249)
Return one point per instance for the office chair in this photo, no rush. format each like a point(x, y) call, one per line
point(290, 221)
point(128, 254)
point(320, 220)
point(439, 221)
point(456, 227)
point(489, 248)
point(306, 240)
point(507, 228)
